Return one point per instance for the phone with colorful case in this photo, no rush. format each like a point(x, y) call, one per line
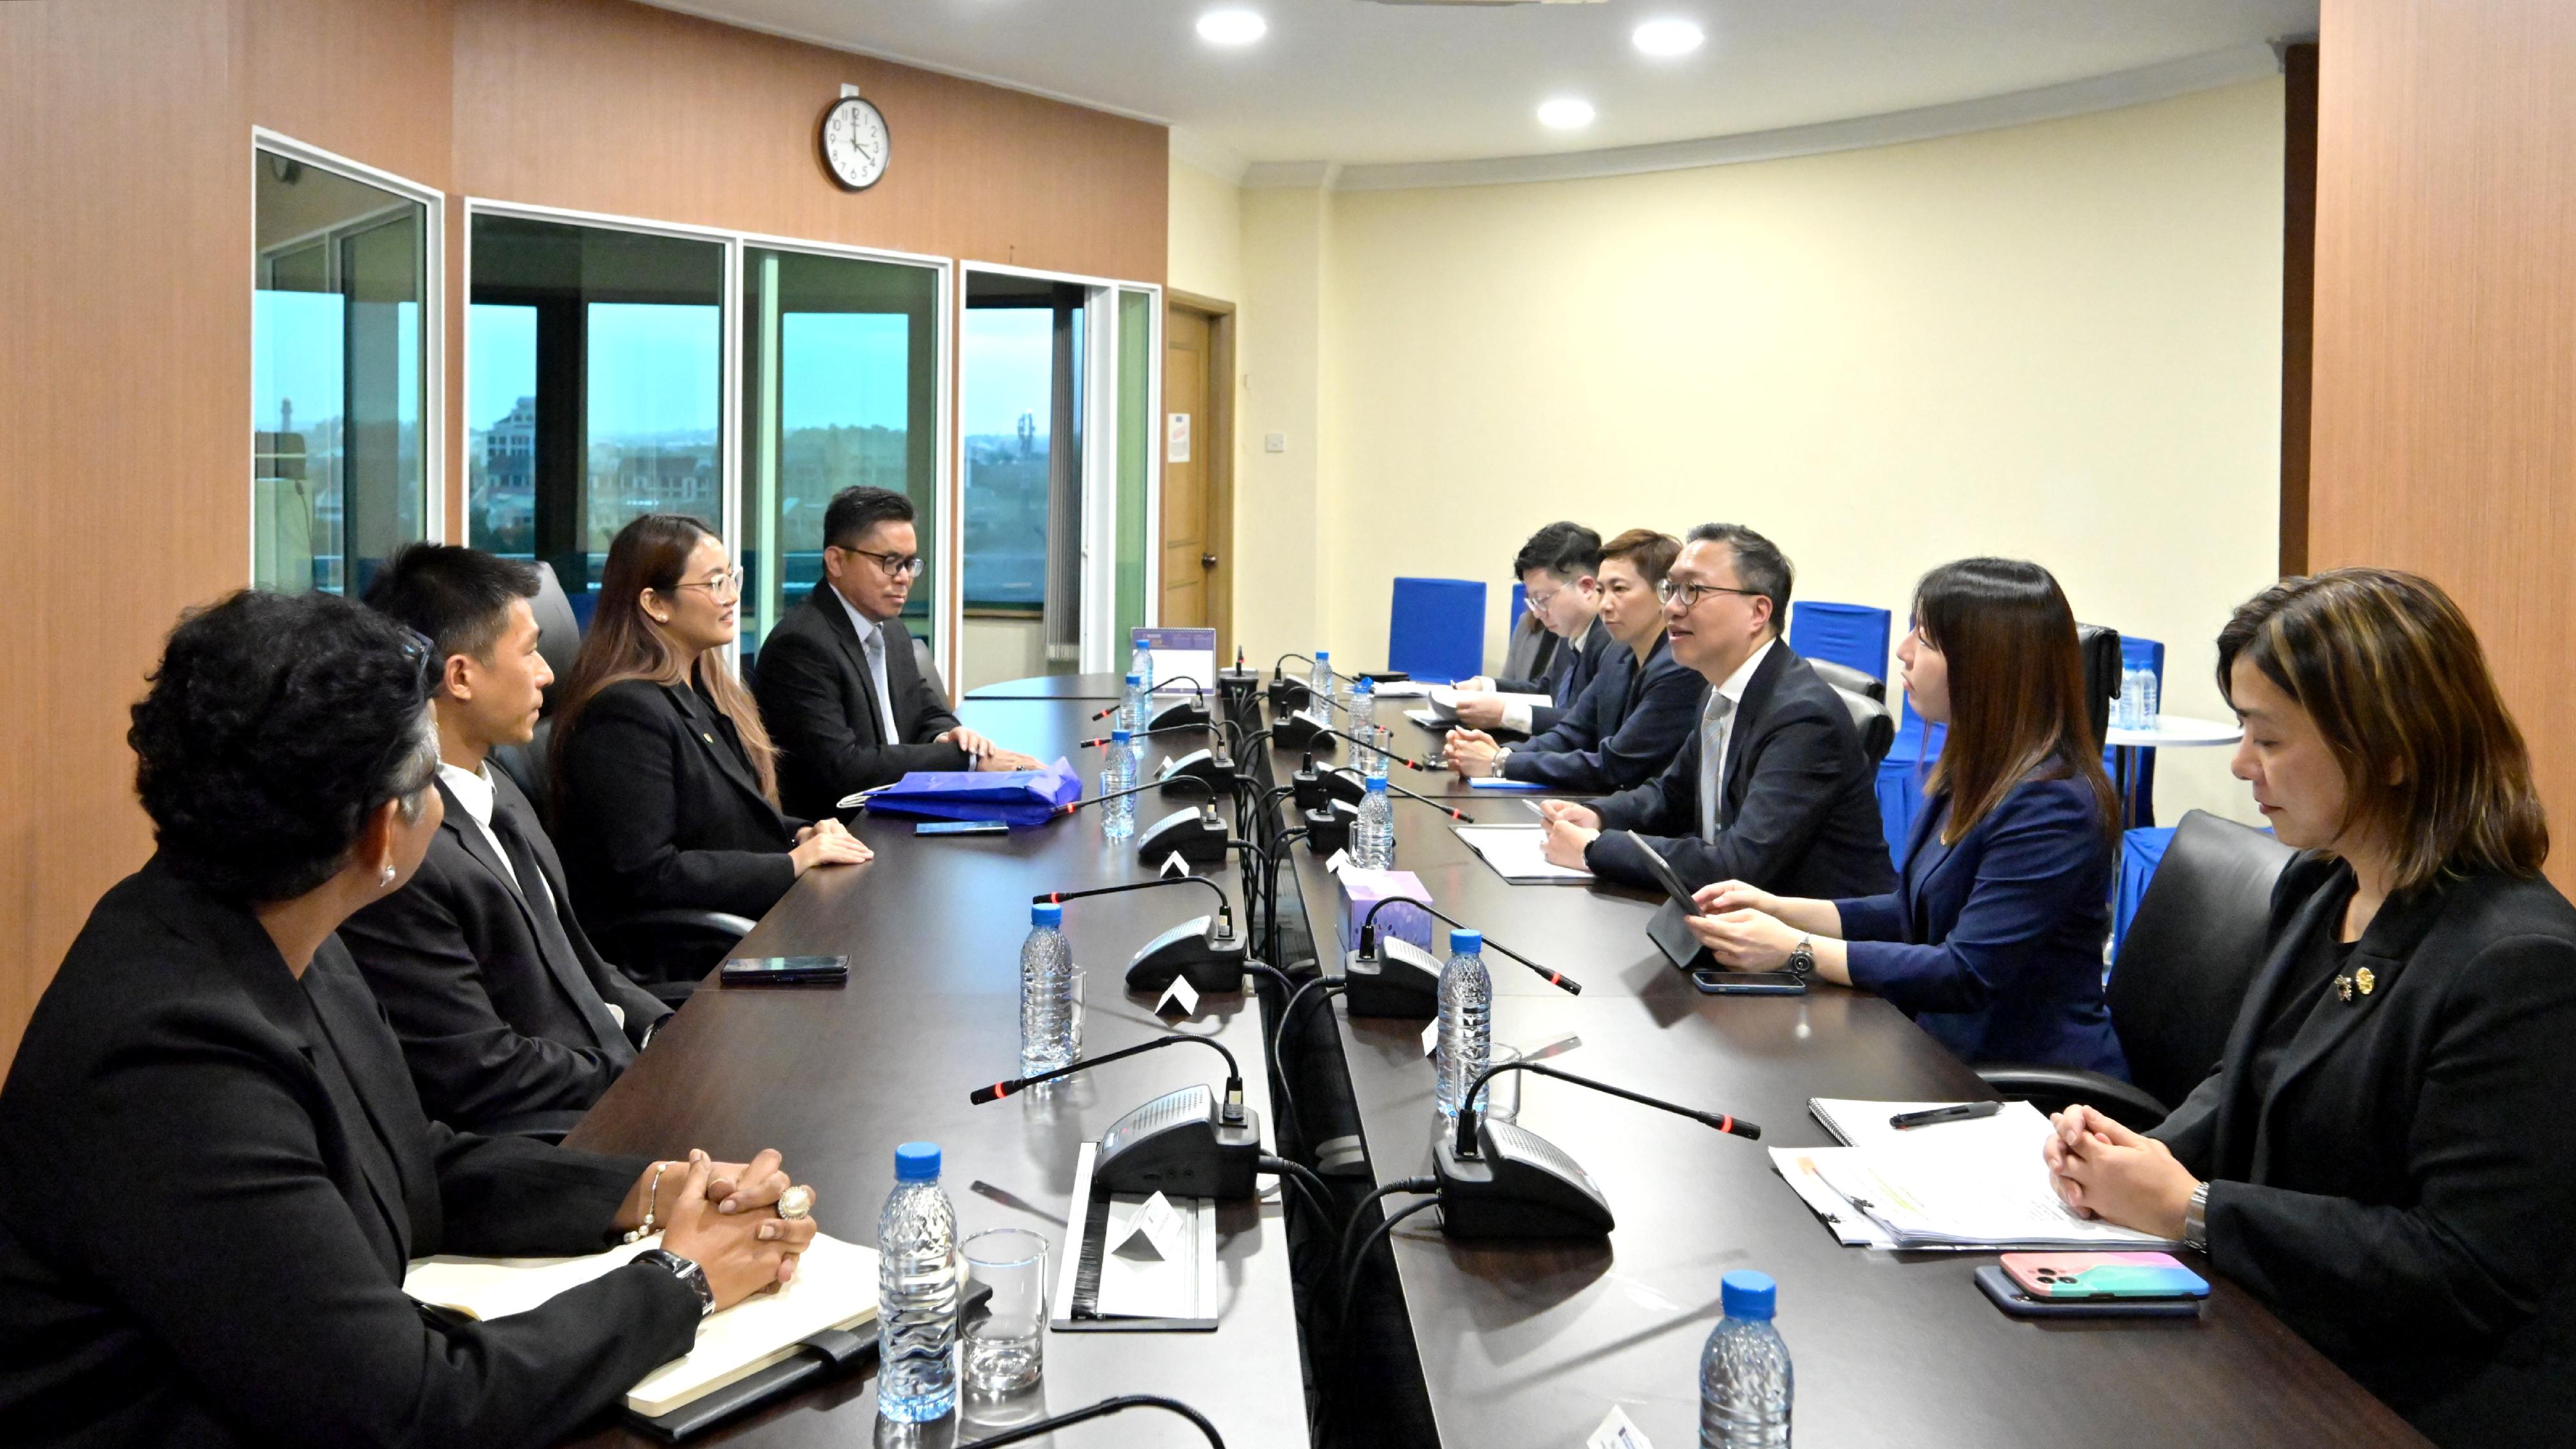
point(2074, 1276)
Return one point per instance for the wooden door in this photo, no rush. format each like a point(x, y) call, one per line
point(1189, 544)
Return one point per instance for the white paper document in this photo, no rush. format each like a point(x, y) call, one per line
point(1401, 689)
point(1797, 1167)
point(1444, 700)
point(1974, 1184)
point(1518, 853)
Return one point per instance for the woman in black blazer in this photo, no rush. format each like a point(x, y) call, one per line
point(2387, 1152)
point(219, 1166)
point(666, 786)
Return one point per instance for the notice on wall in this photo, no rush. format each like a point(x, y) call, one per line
point(1177, 448)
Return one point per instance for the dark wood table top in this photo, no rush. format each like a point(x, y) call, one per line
point(836, 1078)
point(1531, 1344)
point(1053, 686)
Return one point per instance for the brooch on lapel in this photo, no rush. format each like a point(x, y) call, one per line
point(2361, 981)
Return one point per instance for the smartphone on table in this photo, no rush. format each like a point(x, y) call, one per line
point(786, 971)
point(2093, 1285)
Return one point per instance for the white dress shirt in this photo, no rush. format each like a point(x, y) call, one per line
point(1717, 727)
point(473, 790)
point(872, 642)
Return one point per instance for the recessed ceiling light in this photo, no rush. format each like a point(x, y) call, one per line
point(1668, 37)
point(1232, 27)
point(1565, 113)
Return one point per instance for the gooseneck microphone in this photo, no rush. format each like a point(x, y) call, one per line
point(1468, 1115)
point(1501, 1180)
point(1186, 1143)
point(1369, 942)
point(1068, 809)
point(1454, 813)
point(1157, 688)
point(1141, 734)
point(1405, 760)
point(1101, 1410)
point(1233, 1109)
point(1224, 907)
point(1204, 949)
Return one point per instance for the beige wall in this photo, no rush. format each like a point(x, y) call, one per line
point(2058, 341)
point(1205, 255)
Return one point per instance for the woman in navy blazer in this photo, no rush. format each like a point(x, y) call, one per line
point(1992, 941)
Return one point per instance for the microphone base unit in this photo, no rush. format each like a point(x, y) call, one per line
point(1181, 1146)
point(1191, 711)
point(1288, 695)
point(1304, 732)
point(1401, 981)
point(1195, 834)
point(1210, 767)
point(1519, 1185)
point(1339, 786)
point(1196, 951)
point(1328, 828)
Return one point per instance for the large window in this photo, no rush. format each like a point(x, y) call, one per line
point(1023, 371)
point(840, 388)
point(338, 376)
point(594, 389)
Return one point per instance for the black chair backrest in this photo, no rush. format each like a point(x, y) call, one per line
point(2101, 650)
point(930, 670)
point(2192, 951)
point(558, 632)
point(1850, 680)
point(1877, 727)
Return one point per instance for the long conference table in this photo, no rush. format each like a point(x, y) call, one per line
point(1517, 1343)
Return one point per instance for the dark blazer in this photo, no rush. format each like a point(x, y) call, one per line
point(502, 1017)
point(2405, 1194)
point(235, 1171)
point(1994, 945)
point(1570, 671)
point(657, 806)
point(1622, 732)
point(820, 704)
point(1799, 815)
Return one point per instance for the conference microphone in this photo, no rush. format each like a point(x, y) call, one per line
point(1183, 1144)
point(1195, 834)
point(1203, 950)
point(1201, 725)
point(1393, 977)
point(1501, 1180)
point(1349, 784)
point(1191, 711)
point(1119, 1405)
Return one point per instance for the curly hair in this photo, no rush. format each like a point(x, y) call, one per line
point(275, 725)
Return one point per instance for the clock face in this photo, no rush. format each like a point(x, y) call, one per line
point(855, 143)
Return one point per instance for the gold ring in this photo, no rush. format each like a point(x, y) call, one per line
point(796, 1202)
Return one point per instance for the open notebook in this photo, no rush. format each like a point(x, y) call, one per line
point(835, 1287)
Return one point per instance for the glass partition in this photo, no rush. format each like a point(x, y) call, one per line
point(339, 478)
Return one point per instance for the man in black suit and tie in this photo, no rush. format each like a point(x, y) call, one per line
point(1560, 569)
point(509, 1020)
point(844, 700)
point(1772, 788)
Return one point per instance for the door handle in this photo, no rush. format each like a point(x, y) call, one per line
point(1207, 560)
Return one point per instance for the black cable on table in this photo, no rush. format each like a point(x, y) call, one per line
point(1351, 1280)
point(1303, 1178)
point(1101, 1410)
point(1400, 1185)
point(1278, 1045)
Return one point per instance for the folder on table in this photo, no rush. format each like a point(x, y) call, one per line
point(1518, 853)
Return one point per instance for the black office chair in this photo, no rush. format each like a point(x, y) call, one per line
point(930, 670)
point(2184, 968)
point(1877, 727)
point(1844, 677)
point(2101, 650)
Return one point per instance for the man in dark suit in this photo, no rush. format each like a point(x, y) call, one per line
point(1772, 788)
point(509, 1020)
point(1559, 569)
point(844, 700)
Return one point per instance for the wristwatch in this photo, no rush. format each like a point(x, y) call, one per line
point(684, 1270)
point(1494, 767)
point(2195, 1220)
point(1802, 958)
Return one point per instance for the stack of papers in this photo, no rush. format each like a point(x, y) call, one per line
point(1977, 1185)
point(1444, 701)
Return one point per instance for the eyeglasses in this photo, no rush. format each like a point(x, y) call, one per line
point(1538, 602)
point(1691, 594)
point(895, 565)
point(724, 586)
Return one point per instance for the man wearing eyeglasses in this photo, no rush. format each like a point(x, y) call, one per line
point(844, 700)
point(1773, 787)
point(1559, 570)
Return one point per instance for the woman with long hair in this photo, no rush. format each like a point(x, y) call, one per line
point(1992, 940)
point(666, 784)
point(2386, 1152)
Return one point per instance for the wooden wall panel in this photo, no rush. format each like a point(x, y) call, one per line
point(602, 105)
point(2445, 366)
point(124, 403)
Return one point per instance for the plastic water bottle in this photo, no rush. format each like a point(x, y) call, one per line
point(1363, 720)
point(1320, 678)
point(1140, 665)
point(1050, 1030)
point(1118, 817)
point(1137, 707)
point(1466, 1020)
point(1744, 1371)
point(2146, 698)
point(2124, 711)
point(916, 1292)
point(1373, 834)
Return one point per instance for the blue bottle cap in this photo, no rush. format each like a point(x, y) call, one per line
point(1046, 913)
point(919, 1162)
point(1374, 782)
point(1364, 685)
point(1135, 679)
point(1462, 941)
point(1122, 735)
point(1323, 654)
point(1747, 1294)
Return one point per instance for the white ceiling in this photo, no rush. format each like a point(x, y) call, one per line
point(1355, 82)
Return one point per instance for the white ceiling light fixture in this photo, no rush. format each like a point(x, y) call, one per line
point(1667, 38)
point(1565, 113)
point(1232, 27)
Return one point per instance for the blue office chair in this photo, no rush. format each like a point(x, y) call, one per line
point(1854, 635)
point(1436, 629)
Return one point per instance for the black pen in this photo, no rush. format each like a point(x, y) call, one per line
point(1963, 1112)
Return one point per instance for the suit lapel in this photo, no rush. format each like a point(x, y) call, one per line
point(1757, 698)
point(702, 727)
point(579, 992)
point(2236, 1114)
point(376, 1150)
point(2383, 950)
point(471, 841)
point(836, 618)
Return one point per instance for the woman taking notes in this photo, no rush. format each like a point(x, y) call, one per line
point(2387, 1152)
point(1993, 939)
point(218, 1164)
point(666, 785)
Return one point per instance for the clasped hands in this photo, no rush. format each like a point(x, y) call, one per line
point(723, 1216)
point(1469, 752)
point(2103, 1170)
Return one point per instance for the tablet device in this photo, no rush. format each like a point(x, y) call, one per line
point(961, 827)
point(1715, 982)
point(1669, 926)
